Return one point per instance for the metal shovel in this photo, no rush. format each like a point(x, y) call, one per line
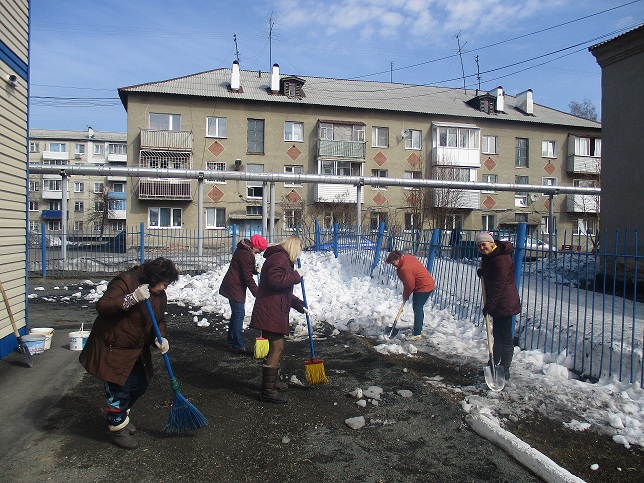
point(393, 331)
point(22, 346)
point(494, 374)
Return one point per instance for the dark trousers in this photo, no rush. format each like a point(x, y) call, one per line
point(119, 399)
point(418, 304)
point(503, 343)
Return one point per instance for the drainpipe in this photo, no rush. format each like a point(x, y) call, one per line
point(63, 214)
point(271, 228)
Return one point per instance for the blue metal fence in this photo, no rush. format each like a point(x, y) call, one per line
point(578, 301)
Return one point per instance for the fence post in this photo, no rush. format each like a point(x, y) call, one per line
point(335, 239)
point(142, 242)
point(317, 235)
point(43, 249)
point(433, 246)
point(376, 255)
point(519, 255)
point(234, 238)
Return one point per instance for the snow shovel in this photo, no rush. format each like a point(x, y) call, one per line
point(24, 349)
point(393, 331)
point(494, 374)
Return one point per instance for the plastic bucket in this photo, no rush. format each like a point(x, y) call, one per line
point(48, 332)
point(35, 343)
point(77, 340)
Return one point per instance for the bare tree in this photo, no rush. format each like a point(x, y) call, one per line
point(584, 109)
point(100, 212)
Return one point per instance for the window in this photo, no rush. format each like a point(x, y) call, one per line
point(34, 226)
point(549, 149)
point(164, 217)
point(490, 178)
point(99, 187)
point(380, 137)
point(411, 175)
point(165, 122)
point(52, 185)
point(326, 131)
point(117, 148)
point(216, 127)
point(254, 189)
point(118, 225)
point(358, 133)
point(588, 147)
point(294, 131)
point(409, 221)
point(99, 149)
point(78, 226)
point(34, 186)
point(521, 160)
point(54, 225)
point(544, 226)
point(216, 218)
point(57, 147)
point(375, 218)
point(33, 206)
point(79, 149)
point(521, 217)
point(79, 206)
point(521, 197)
point(55, 205)
point(489, 145)
point(118, 187)
point(254, 210)
point(99, 206)
point(341, 168)
point(216, 166)
point(255, 136)
point(34, 147)
point(79, 186)
point(488, 222)
point(293, 169)
point(585, 183)
point(292, 219)
point(458, 137)
point(586, 226)
point(54, 162)
point(379, 173)
point(414, 139)
point(549, 182)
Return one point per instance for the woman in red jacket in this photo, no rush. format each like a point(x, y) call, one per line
point(417, 280)
point(272, 307)
point(501, 294)
point(118, 348)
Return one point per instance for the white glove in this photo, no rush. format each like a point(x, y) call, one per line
point(141, 293)
point(306, 310)
point(301, 271)
point(164, 346)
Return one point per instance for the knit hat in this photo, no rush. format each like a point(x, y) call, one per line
point(259, 242)
point(484, 236)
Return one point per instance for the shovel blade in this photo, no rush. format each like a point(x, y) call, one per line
point(391, 331)
point(24, 350)
point(494, 380)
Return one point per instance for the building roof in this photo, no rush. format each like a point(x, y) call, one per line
point(356, 94)
point(77, 135)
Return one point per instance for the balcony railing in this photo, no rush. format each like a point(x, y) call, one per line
point(337, 193)
point(583, 164)
point(452, 198)
point(55, 155)
point(169, 140)
point(51, 214)
point(164, 189)
point(341, 149)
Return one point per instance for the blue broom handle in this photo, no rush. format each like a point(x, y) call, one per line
point(159, 337)
point(308, 319)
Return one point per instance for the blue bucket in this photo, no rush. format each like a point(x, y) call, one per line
point(35, 343)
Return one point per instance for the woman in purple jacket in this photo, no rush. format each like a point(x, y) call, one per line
point(238, 278)
point(502, 297)
point(272, 306)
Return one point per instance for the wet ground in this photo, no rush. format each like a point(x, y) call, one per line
point(418, 438)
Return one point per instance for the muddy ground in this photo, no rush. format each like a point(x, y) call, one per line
point(420, 438)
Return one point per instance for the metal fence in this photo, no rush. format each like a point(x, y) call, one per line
point(578, 301)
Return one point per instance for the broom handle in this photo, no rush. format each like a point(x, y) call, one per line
point(13, 322)
point(159, 337)
point(308, 319)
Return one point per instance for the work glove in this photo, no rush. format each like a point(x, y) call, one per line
point(485, 312)
point(301, 271)
point(141, 293)
point(164, 346)
point(306, 310)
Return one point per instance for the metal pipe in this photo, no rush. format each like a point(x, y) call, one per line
point(200, 215)
point(264, 208)
point(63, 215)
point(271, 226)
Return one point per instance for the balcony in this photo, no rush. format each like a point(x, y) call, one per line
point(452, 198)
point(337, 193)
point(461, 157)
point(116, 158)
point(165, 189)
point(582, 203)
point(583, 164)
point(55, 155)
point(52, 214)
point(341, 149)
point(53, 195)
point(167, 140)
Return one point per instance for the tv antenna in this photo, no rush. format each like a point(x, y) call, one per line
point(478, 75)
point(236, 49)
point(270, 42)
point(391, 72)
point(460, 54)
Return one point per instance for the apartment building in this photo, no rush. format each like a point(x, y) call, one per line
point(231, 119)
point(94, 203)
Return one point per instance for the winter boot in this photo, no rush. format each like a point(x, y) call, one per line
point(280, 386)
point(121, 435)
point(269, 391)
point(130, 425)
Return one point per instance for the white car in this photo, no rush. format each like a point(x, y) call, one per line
point(534, 248)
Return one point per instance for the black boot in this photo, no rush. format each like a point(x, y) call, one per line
point(121, 435)
point(269, 391)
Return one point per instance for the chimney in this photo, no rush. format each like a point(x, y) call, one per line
point(275, 79)
point(524, 102)
point(235, 80)
point(498, 93)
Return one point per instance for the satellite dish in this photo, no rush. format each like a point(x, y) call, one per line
point(405, 133)
point(534, 197)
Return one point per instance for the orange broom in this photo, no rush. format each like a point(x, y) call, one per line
point(314, 367)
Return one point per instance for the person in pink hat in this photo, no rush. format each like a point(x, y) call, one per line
point(238, 278)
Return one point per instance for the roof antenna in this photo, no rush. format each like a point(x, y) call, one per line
point(391, 72)
point(478, 75)
point(460, 54)
point(236, 49)
point(270, 42)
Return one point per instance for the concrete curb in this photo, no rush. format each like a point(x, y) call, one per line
point(525, 454)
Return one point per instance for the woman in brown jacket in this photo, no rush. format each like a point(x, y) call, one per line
point(118, 348)
point(271, 311)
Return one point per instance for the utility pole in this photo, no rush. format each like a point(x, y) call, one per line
point(236, 49)
point(460, 54)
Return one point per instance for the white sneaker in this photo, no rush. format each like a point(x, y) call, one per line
point(415, 337)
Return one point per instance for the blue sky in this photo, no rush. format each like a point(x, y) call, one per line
point(82, 51)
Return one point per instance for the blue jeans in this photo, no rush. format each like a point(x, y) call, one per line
point(236, 325)
point(418, 303)
point(119, 399)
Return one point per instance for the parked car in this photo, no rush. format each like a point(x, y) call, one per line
point(534, 248)
point(35, 240)
point(347, 242)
